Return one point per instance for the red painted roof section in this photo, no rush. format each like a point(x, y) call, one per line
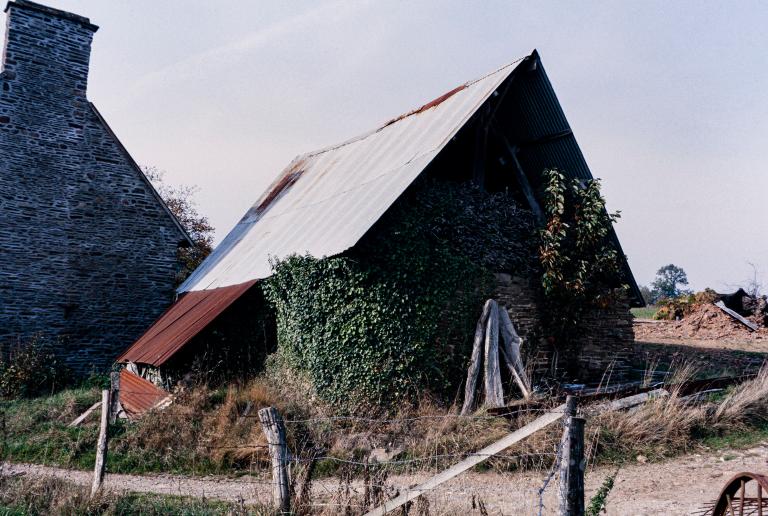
point(183, 320)
point(138, 395)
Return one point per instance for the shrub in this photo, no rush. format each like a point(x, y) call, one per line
point(395, 314)
point(30, 368)
point(581, 266)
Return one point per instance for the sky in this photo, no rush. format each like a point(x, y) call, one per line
point(667, 100)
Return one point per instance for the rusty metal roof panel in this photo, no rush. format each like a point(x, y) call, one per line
point(325, 201)
point(138, 395)
point(183, 320)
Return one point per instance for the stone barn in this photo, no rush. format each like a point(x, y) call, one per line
point(88, 250)
point(500, 132)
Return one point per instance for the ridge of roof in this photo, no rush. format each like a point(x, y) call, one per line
point(424, 107)
point(363, 175)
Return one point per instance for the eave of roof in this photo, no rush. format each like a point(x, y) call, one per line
point(183, 320)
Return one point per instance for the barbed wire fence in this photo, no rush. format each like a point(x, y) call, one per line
point(356, 479)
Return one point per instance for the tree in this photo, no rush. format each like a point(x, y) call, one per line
point(666, 283)
point(180, 200)
point(647, 295)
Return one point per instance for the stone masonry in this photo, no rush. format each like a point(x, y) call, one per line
point(606, 347)
point(88, 251)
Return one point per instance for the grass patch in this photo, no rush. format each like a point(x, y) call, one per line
point(646, 312)
point(42, 496)
point(203, 432)
point(36, 431)
point(737, 439)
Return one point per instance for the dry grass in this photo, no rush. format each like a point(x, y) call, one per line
point(429, 435)
point(51, 496)
point(671, 425)
point(748, 403)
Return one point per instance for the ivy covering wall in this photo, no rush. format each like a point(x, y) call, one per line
point(394, 316)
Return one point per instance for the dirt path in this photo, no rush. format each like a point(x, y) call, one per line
point(677, 487)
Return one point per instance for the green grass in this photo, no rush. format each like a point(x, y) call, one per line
point(738, 439)
point(646, 312)
point(36, 432)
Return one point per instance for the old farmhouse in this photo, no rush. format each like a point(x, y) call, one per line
point(88, 249)
point(500, 131)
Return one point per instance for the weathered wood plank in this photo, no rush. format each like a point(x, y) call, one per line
point(101, 447)
point(572, 468)
point(114, 396)
point(511, 342)
point(274, 429)
point(79, 419)
point(474, 459)
point(749, 324)
point(494, 393)
point(470, 388)
point(628, 402)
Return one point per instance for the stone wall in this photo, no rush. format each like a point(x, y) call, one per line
point(606, 346)
point(87, 249)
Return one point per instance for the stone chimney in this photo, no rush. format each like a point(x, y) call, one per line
point(46, 52)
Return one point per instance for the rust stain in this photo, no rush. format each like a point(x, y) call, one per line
point(138, 395)
point(429, 105)
point(286, 180)
point(183, 320)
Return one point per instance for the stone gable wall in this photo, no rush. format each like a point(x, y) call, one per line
point(87, 250)
point(606, 347)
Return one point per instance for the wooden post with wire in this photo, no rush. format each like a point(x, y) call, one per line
point(101, 447)
point(274, 430)
point(114, 396)
point(572, 462)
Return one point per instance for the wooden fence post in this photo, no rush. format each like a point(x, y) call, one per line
point(114, 397)
point(274, 429)
point(572, 463)
point(101, 448)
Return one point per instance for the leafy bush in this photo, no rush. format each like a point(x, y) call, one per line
point(395, 314)
point(581, 266)
point(30, 368)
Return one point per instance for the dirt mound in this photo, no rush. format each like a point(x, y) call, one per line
point(705, 322)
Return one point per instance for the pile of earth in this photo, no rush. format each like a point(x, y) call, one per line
point(705, 321)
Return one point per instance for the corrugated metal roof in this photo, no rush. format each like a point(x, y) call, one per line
point(138, 395)
point(544, 136)
point(325, 201)
point(182, 321)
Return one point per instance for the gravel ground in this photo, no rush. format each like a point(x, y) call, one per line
point(679, 486)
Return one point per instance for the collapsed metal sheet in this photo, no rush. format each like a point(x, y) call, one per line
point(138, 395)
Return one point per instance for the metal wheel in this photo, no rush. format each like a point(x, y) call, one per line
point(745, 494)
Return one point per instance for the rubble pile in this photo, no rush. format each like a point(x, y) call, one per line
point(708, 322)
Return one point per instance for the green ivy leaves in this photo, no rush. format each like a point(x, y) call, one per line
point(394, 316)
